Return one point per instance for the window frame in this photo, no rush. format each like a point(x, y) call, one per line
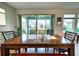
point(74, 18)
point(3, 13)
point(77, 22)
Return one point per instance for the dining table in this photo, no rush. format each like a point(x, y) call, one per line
point(38, 43)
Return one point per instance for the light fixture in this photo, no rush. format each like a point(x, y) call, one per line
point(59, 21)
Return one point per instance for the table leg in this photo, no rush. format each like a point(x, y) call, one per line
point(25, 49)
point(5, 52)
point(71, 51)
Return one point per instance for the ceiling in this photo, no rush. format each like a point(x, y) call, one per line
point(43, 5)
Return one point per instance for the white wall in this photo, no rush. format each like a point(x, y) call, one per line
point(56, 12)
point(10, 17)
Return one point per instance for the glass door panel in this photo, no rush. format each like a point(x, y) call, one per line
point(24, 28)
point(40, 26)
point(32, 29)
point(77, 30)
point(48, 24)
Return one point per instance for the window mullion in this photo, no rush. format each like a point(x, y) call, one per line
point(75, 23)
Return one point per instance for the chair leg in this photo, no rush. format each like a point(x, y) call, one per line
point(26, 49)
point(55, 50)
point(17, 51)
point(46, 50)
point(59, 52)
point(36, 49)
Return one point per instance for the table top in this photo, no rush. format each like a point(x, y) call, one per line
point(47, 41)
point(38, 41)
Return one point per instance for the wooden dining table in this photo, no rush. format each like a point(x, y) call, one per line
point(34, 43)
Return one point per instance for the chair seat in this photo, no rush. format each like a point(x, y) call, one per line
point(62, 50)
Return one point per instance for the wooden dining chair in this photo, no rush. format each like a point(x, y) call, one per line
point(8, 35)
point(10, 38)
point(70, 36)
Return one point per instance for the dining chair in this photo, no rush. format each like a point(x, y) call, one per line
point(2, 40)
point(70, 36)
point(8, 35)
point(10, 38)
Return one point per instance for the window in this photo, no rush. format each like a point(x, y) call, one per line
point(2, 17)
point(69, 21)
point(1, 38)
point(77, 30)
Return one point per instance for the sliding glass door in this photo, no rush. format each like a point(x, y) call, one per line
point(35, 25)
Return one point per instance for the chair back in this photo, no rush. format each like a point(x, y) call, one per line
point(70, 36)
point(50, 32)
point(8, 35)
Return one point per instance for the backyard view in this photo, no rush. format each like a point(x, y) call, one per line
point(34, 25)
point(68, 23)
